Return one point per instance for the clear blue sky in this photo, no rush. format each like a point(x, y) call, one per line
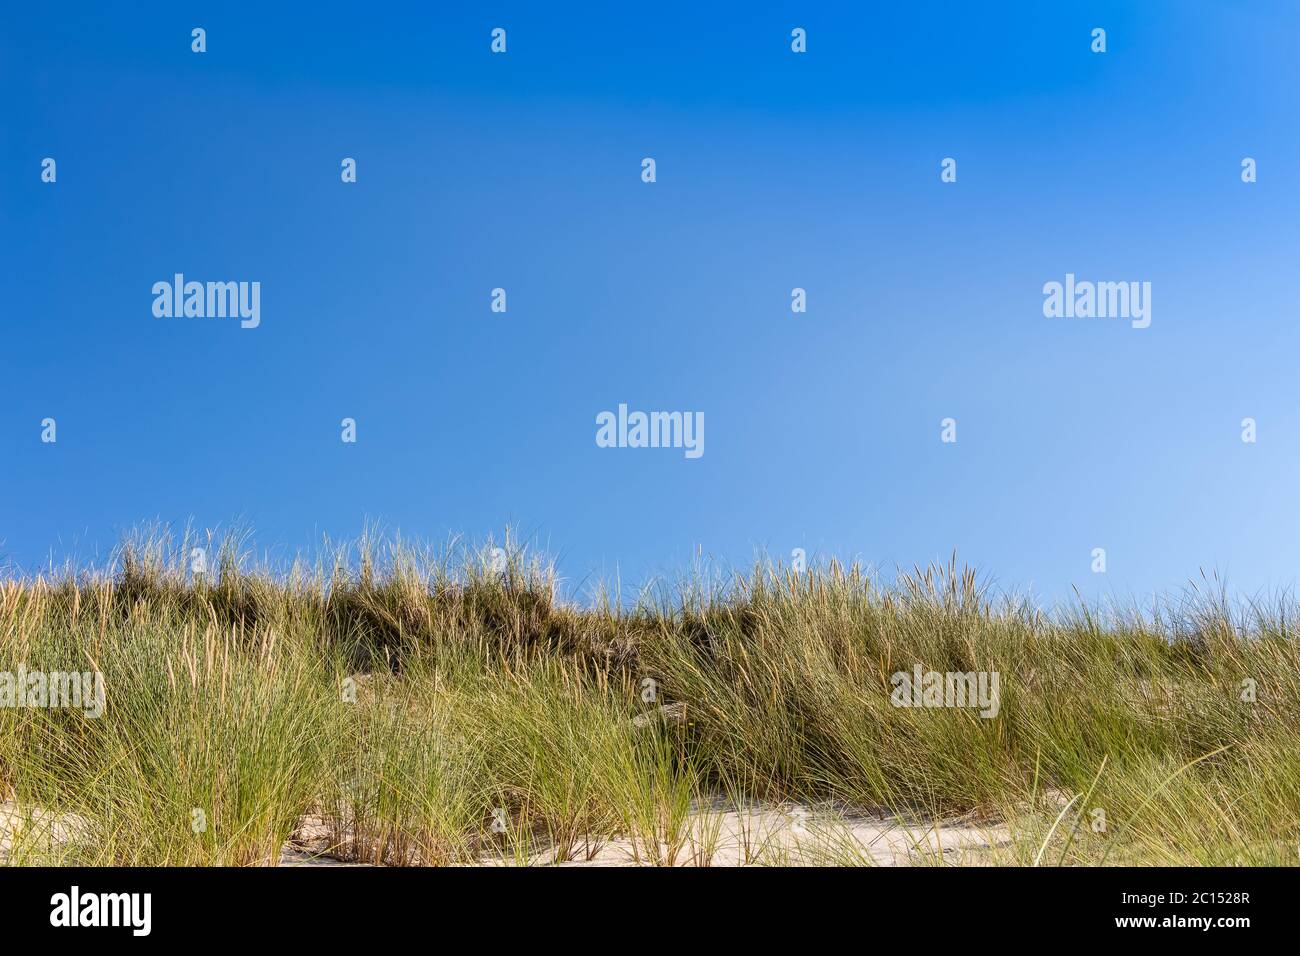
point(775, 170)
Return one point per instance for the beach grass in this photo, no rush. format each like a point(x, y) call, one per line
point(402, 705)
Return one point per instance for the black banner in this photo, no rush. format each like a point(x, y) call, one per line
point(338, 904)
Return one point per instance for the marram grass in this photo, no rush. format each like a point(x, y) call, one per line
point(441, 709)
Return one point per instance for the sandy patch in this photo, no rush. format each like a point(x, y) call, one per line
point(790, 835)
point(36, 831)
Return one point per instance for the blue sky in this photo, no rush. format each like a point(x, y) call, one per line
point(775, 170)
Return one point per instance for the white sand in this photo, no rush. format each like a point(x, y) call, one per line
point(716, 836)
point(711, 835)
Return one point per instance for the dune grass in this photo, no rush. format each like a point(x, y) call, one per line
point(413, 707)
